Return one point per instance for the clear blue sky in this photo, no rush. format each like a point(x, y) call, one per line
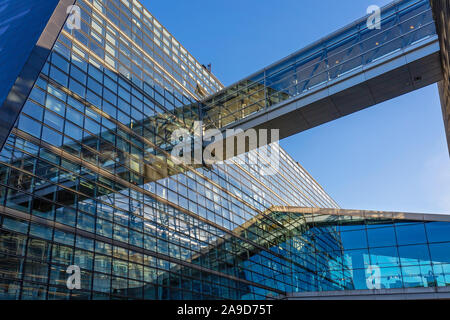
point(389, 157)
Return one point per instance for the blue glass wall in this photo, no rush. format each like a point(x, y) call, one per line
point(86, 176)
point(21, 24)
point(327, 253)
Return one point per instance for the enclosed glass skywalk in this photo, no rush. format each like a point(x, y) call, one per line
point(404, 24)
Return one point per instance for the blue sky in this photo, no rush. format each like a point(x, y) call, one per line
point(389, 157)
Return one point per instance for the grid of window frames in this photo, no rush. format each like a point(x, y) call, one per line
point(88, 156)
point(291, 180)
point(34, 259)
point(310, 253)
point(132, 161)
point(129, 39)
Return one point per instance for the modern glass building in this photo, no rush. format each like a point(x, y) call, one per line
point(86, 178)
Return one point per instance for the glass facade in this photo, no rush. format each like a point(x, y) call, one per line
point(276, 253)
point(405, 24)
point(310, 251)
point(86, 176)
point(22, 22)
point(86, 179)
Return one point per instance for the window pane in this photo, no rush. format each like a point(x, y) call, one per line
point(386, 257)
point(381, 237)
point(414, 255)
point(51, 136)
point(411, 234)
point(354, 239)
point(438, 231)
point(30, 126)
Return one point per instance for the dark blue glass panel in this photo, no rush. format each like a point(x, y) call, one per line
point(356, 259)
point(21, 24)
point(85, 243)
point(414, 255)
point(381, 237)
point(33, 110)
point(41, 231)
point(53, 121)
point(354, 239)
point(350, 227)
point(411, 234)
point(440, 252)
point(38, 95)
point(15, 225)
point(51, 136)
point(438, 231)
point(66, 216)
point(30, 126)
point(64, 237)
